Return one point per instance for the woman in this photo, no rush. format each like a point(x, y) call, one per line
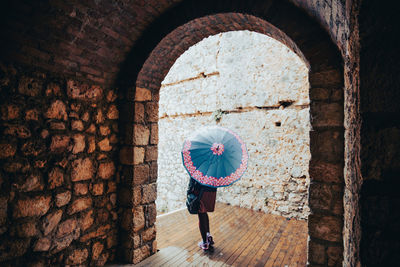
point(207, 204)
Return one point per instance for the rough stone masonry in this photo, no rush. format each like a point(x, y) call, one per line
point(256, 86)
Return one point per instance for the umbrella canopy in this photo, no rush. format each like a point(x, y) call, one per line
point(215, 156)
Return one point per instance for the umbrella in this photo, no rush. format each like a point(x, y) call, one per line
point(215, 156)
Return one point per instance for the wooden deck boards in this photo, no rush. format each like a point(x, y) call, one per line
point(242, 238)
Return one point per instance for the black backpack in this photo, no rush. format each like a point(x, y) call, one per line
point(192, 200)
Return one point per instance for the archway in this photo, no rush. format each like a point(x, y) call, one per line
point(326, 138)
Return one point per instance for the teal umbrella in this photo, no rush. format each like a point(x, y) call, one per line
point(215, 156)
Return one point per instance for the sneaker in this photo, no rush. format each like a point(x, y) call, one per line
point(210, 239)
point(203, 246)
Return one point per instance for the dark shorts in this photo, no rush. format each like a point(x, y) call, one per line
point(207, 202)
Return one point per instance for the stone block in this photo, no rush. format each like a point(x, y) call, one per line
point(101, 231)
point(154, 134)
point(26, 229)
point(97, 248)
point(327, 114)
point(104, 130)
point(111, 96)
point(318, 94)
point(57, 110)
point(86, 220)
point(142, 94)
point(79, 204)
point(10, 112)
point(80, 189)
point(139, 113)
point(131, 155)
point(63, 198)
point(59, 143)
point(77, 125)
point(140, 135)
point(151, 213)
point(137, 195)
point(7, 150)
point(97, 189)
point(138, 218)
point(335, 256)
point(326, 172)
point(326, 78)
point(42, 244)
point(32, 183)
point(149, 234)
point(151, 153)
point(140, 254)
point(149, 193)
point(56, 178)
point(325, 227)
point(32, 115)
point(91, 144)
point(320, 197)
point(29, 86)
point(66, 227)
point(316, 253)
point(77, 256)
point(50, 222)
point(327, 145)
point(112, 113)
point(82, 169)
point(104, 145)
point(20, 131)
point(106, 170)
point(84, 92)
point(36, 206)
point(152, 111)
point(141, 174)
point(153, 171)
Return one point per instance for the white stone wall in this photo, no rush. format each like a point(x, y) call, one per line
point(246, 75)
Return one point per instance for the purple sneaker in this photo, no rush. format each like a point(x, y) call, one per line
point(203, 246)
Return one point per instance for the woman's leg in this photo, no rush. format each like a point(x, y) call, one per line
point(204, 225)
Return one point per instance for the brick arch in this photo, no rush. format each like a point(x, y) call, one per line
point(312, 44)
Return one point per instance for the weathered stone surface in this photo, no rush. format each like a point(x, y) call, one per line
point(111, 96)
point(149, 234)
point(50, 222)
point(104, 145)
point(91, 129)
point(320, 196)
point(27, 229)
point(84, 92)
point(140, 253)
point(20, 131)
point(101, 231)
point(66, 227)
point(59, 143)
point(149, 193)
point(42, 244)
point(99, 117)
point(36, 206)
point(106, 170)
point(104, 130)
point(10, 112)
point(317, 253)
point(57, 110)
point(154, 134)
point(112, 112)
point(325, 227)
point(139, 112)
point(326, 172)
point(140, 174)
point(79, 204)
point(77, 256)
point(33, 182)
point(63, 198)
point(335, 256)
point(59, 244)
point(29, 86)
point(96, 250)
point(151, 153)
point(86, 220)
point(80, 189)
point(57, 126)
point(97, 189)
point(141, 135)
point(151, 213)
point(137, 195)
point(131, 155)
point(79, 143)
point(142, 94)
point(56, 178)
point(31, 148)
point(91, 144)
point(77, 125)
point(152, 111)
point(32, 115)
point(138, 218)
point(82, 169)
point(7, 150)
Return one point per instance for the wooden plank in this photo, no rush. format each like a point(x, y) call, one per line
point(301, 228)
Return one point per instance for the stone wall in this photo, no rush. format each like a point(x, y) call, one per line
point(261, 88)
point(57, 170)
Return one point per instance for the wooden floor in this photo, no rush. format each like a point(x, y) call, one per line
point(242, 238)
